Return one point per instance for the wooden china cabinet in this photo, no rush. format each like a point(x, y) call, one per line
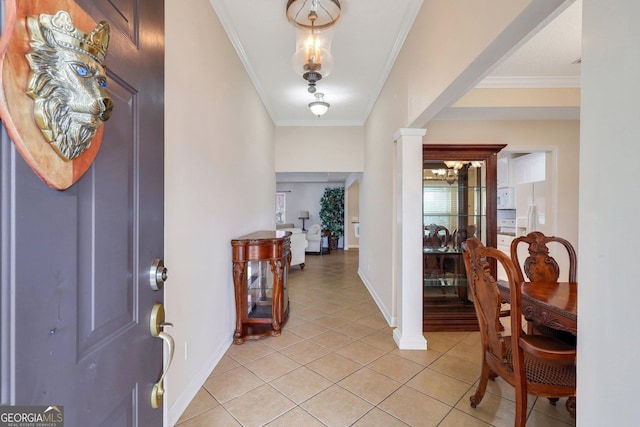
point(459, 201)
point(261, 262)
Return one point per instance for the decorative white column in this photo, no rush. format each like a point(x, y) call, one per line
point(408, 259)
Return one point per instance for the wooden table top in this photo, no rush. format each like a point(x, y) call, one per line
point(549, 303)
point(264, 235)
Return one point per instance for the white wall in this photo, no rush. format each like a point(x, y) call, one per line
point(447, 50)
point(319, 149)
point(304, 196)
point(459, 43)
point(316, 149)
point(608, 345)
point(376, 201)
point(200, 168)
point(352, 210)
point(214, 122)
point(561, 136)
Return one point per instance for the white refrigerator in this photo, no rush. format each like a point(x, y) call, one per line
point(530, 207)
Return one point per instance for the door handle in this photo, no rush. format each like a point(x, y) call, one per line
point(156, 326)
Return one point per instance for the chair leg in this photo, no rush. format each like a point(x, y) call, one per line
point(571, 406)
point(521, 406)
point(482, 385)
point(553, 400)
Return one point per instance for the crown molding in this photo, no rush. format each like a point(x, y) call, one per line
point(318, 122)
point(529, 82)
point(223, 15)
point(510, 113)
point(409, 18)
point(225, 18)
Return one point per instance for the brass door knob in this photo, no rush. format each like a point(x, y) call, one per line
point(156, 327)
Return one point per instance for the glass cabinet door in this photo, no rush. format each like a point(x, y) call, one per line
point(458, 203)
point(259, 289)
point(452, 213)
point(260, 270)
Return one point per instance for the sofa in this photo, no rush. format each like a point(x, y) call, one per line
point(298, 246)
point(314, 237)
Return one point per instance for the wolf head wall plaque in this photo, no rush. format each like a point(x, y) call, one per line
point(68, 81)
point(54, 100)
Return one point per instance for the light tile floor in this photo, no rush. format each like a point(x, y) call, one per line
point(336, 364)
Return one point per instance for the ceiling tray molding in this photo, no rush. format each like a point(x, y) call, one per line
point(226, 21)
point(319, 122)
point(522, 82)
point(407, 22)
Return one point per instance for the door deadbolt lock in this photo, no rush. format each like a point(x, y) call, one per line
point(158, 274)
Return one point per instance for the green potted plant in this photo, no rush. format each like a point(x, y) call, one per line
point(332, 214)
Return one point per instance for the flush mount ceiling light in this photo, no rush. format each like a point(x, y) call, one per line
point(319, 106)
point(314, 21)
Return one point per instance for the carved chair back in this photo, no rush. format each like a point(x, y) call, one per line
point(435, 235)
point(539, 266)
point(459, 235)
point(540, 365)
point(486, 297)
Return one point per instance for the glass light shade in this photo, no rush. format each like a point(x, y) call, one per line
point(313, 52)
point(323, 13)
point(319, 106)
point(452, 176)
point(454, 164)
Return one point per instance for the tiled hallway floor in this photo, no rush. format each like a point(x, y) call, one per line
point(336, 364)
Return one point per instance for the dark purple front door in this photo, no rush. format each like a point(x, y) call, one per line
point(75, 297)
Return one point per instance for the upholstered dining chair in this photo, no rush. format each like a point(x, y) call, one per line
point(539, 266)
point(536, 364)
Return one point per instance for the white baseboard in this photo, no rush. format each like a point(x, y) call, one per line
point(417, 342)
point(390, 319)
point(180, 405)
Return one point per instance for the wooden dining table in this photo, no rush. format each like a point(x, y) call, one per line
point(553, 304)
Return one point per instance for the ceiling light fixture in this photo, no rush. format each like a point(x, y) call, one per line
point(448, 175)
point(313, 20)
point(319, 106)
point(458, 164)
point(313, 14)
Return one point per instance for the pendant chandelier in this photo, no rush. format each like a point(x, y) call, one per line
point(314, 21)
point(317, 14)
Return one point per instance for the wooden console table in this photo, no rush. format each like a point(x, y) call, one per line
point(261, 262)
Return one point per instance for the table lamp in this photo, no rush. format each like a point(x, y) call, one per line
point(303, 215)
